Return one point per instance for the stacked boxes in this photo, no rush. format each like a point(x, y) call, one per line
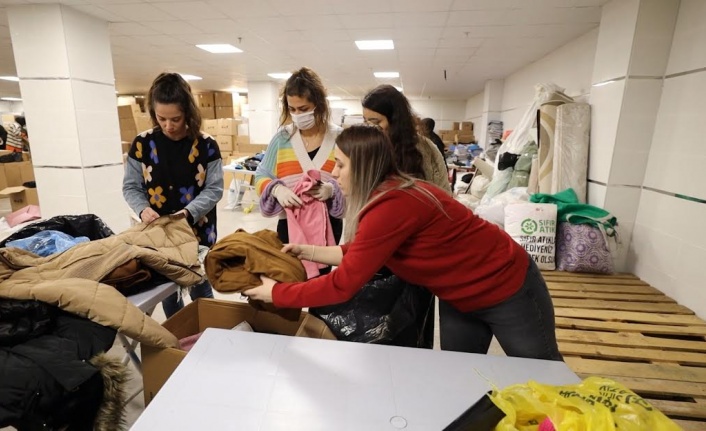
point(217, 104)
point(462, 133)
point(227, 129)
point(12, 177)
point(207, 105)
point(127, 115)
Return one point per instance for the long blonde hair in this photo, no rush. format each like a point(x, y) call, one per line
point(372, 162)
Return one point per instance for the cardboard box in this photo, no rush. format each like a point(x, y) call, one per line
point(466, 126)
point(126, 146)
point(207, 113)
point(129, 111)
point(210, 127)
point(20, 196)
point(225, 157)
point(158, 364)
point(228, 126)
point(223, 98)
point(242, 140)
point(225, 142)
point(465, 137)
point(143, 122)
point(251, 148)
point(224, 112)
point(205, 100)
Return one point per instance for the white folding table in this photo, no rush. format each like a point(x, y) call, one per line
point(240, 185)
point(233, 380)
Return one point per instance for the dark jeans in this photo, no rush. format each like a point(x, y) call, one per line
point(523, 324)
point(174, 303)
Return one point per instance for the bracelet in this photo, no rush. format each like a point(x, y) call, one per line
point(313, 252)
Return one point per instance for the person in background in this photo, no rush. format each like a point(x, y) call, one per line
point(488, 285)
point(175, 168)
point(415, 155)
point(427, 125)
point(3, 137)
point(306, 144)
point(16, 135)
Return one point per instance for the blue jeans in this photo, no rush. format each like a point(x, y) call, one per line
point(174, 303)
point(523, 324)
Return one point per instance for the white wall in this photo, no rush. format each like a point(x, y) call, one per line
point(668, 249)
point(474, 109)
point(570, 66)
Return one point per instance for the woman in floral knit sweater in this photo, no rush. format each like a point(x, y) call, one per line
point(174, 168)
point(306, 144)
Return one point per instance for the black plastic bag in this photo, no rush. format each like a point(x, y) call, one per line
point(89, 225)
point(387, 310)
point(484, 415)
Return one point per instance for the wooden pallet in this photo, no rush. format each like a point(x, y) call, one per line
point(620, 327)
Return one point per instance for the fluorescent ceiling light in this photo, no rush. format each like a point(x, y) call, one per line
point(284, 75)
point(10, 78)
point(333, 98)
point(11, 99)
point(219, 48)
point(387, 74)
point(365, 45)
point(190, 77)
point(399, 89)
point(601, 84)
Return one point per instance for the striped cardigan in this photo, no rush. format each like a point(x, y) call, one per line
point(285, 162)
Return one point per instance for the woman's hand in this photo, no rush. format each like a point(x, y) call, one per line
point(263, 292)
point(321, 192)
point(148, 215)
point(286, 197)
point(301, 251)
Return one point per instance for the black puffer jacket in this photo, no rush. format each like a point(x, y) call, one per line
point(46, 381)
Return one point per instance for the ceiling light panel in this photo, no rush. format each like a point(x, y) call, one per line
point(10, 78)
point(220, 48)
point(188, 77)
point(386, 74)
point(284, 75)
point(368, 45)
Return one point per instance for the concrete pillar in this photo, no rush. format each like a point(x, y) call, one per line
point(634, 40)
point(264, 110)
point(64, 63)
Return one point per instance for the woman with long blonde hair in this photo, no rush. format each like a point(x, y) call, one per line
point(486, 282)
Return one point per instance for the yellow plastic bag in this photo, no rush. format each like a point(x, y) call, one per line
point(596, 404)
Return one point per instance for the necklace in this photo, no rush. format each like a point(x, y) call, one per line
point(309, 143)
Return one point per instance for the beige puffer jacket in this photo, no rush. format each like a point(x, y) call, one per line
point(71, 280)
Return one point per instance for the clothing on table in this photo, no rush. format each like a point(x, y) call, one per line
point(310, 223)
point(433, 164)
point(409, 246)
point(285, 162)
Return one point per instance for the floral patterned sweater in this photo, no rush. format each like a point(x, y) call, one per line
point(169, 176)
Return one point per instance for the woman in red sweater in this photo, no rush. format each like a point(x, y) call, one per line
point(488, 285)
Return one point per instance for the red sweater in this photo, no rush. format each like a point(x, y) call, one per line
point(462, 259)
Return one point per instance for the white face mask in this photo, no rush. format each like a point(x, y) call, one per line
point(304, 121)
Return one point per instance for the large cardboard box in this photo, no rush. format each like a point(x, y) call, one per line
point(224, 112)
point(129, 111)
point(251, 148)
point(228, 126)
point(210, 127)
point(225, 142)
point(466, 126)
point(143, 122)
point(205, 100)
point(158, 364)
point(223, 98)
point(207, 112)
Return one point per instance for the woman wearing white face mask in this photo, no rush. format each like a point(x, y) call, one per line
point(296, 150)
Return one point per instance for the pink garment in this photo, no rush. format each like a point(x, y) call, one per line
point(310, 223)
point(187, 343)
point(22, 215)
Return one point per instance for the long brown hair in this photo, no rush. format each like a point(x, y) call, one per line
point(372, 162)
point(171, 88)
point(388, 101)
point(305, 83)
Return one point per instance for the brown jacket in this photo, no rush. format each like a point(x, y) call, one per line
point(71, 280)
point(236, 262)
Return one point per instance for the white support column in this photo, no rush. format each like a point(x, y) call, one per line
point(264, 110)
point(492, 107)
point(634, 40)
point(65, 68)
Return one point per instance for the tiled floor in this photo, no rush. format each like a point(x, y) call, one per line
point(228, 221)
